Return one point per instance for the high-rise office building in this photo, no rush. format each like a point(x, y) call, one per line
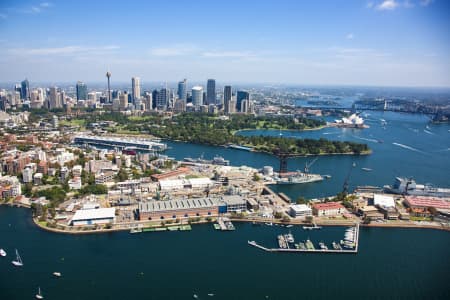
point(227, 93)
point(197, 96)
point(82, 93)
point(62, 98)
point(135, 88)
point(148, 101)
point(53, 99)
point(25, 90)
point(182, 90)
point(240, 96)
point(123, 100)
point(210, 92)
point(162, 98)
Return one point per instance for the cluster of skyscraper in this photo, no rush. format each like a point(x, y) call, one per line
point(163, 99)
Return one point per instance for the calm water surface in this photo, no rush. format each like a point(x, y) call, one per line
point(391, 264)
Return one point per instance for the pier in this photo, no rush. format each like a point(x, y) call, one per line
point(343, 251)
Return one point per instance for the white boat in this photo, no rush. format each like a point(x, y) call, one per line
point(57, 274)
point(2, 252)
point(195, 296)
point(312, 227)
point(211, 294)
point(39, 294)
point(18, 262)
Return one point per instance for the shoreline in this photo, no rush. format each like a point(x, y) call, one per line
point(298, 223)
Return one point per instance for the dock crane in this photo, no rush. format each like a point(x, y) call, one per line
point(345, 186)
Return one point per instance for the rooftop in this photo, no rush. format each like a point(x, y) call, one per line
point(328, 205)
point(383, 200)
point(156, 206)
point(428, 202)
point(99, 213)
point(300, 207)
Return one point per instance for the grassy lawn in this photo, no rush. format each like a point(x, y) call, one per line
point(421, 219)
point(138, 118)
point(74, 122)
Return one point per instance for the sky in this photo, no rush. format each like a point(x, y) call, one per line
point(351, 42)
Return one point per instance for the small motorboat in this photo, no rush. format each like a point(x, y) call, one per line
point(57, 274)
point(2, 252)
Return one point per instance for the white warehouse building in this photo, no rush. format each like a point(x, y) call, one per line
point(94, 216)
point(300, 210)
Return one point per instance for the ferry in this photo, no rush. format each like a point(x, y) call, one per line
point(404, 186)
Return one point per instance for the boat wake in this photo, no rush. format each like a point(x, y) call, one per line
point(365, 139)
point(408, 147)
point(429, 132)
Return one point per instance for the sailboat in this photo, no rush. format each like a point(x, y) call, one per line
point(39, 294)
point(18, 262)
point(2, 252)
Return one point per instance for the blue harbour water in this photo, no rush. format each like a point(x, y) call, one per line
point(391, 263)
point(406, 146)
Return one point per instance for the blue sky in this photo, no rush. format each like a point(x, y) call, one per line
point(351, 42)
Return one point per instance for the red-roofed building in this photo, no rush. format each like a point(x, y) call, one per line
point(426, 202)
point(177, 172)
point(328, 209)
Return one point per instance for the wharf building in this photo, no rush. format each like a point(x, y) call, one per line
point(199, 207)
point(120, 143)
point(93, 216)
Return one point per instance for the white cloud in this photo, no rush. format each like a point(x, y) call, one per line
point(350, 36)
point(235, 54)
point(67, 50)
point(425, 2)
point(387, 5)
point(175, 50)
point(36, 9)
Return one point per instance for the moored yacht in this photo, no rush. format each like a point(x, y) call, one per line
point(18, 262)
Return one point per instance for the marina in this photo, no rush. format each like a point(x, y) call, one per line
point(350, 243)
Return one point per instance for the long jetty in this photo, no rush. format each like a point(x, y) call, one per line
point(349, 251)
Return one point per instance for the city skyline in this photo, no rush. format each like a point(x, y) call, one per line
point(369, 43)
